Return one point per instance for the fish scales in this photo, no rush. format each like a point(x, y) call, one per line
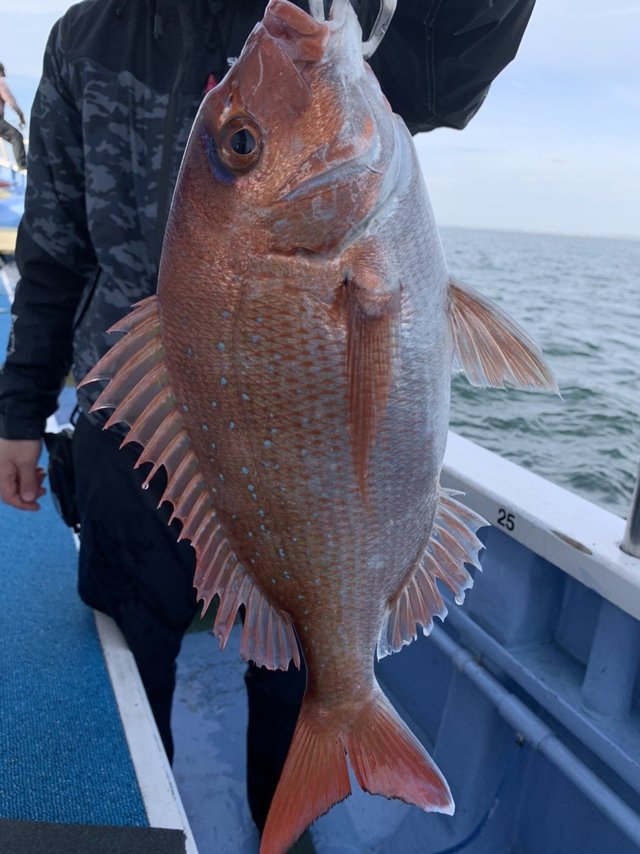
point(298, 357)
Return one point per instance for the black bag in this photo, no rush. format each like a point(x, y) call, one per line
point(61, 476)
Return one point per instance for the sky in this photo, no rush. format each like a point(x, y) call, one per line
point(554, 148)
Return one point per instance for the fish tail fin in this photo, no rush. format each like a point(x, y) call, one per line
point(314, 778)
point(388, 759)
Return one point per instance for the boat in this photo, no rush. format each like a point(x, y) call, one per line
point(12, 190)
point(527, 696)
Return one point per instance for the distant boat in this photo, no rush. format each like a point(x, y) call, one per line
point(12, 190)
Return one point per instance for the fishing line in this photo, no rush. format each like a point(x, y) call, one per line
point(506, 776)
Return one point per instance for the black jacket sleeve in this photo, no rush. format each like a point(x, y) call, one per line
point(439, 57)
point(54, 254)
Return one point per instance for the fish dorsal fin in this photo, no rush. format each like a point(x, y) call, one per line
point(490, 347)
point(453, 544)
point(140, 392)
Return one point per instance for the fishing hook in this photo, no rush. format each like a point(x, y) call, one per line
point(385, 14)
point(316, 7)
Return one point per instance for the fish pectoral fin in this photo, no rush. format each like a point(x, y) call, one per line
point(490, 347)
point(140, 393)
point(453, 543)
point(373, 315)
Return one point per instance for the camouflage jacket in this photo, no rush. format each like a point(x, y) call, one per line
point(121, 83)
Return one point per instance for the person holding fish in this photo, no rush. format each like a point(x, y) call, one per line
point(8, 131)
point(121, 86)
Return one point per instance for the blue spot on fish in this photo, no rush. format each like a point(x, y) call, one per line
point(217, 167)
point(223, 381)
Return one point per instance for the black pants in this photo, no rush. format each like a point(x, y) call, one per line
point(13, 136)
point(132, 568)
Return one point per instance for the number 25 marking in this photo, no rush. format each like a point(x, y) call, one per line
point(506, 520)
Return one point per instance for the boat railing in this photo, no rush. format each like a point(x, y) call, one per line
point(579, 537)
point(594, 616)
point(631, 539)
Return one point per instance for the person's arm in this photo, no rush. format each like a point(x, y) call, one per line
point(439, 57)
point(56, 261)
point(7, 96)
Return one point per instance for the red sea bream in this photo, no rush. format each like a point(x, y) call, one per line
point(292, 376)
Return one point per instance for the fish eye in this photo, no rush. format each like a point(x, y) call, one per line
point(240, 143)
point(243, 141)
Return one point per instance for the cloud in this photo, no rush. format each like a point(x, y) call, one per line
point(579, 36)
point(48, 8)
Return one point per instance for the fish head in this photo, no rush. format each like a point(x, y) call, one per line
point(291, 147)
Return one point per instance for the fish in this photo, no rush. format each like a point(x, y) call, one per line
point(292, 376)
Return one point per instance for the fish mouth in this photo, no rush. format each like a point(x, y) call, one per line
point(304, 37)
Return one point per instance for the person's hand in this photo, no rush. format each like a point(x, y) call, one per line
point(20, 476)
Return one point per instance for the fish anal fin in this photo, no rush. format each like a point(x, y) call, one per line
point(453, 543)
point(373, 315)
point(140, 393)
point(490, 347)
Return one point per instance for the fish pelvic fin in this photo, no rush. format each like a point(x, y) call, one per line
point(491, 348)
point(453, 543)
point(373, 315)
point(387, 759)
point(139, 391)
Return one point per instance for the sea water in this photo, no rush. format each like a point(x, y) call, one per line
point(579, 297)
